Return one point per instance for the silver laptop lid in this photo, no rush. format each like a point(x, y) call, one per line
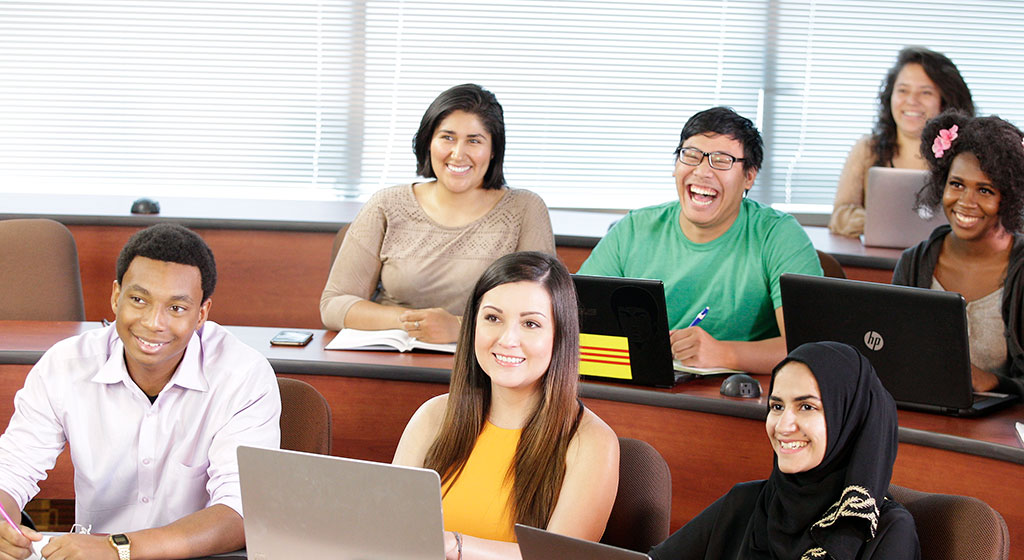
point(301, 505)
point(890, 219)
point(537, 544)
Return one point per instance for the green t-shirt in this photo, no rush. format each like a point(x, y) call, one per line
point(736, 275)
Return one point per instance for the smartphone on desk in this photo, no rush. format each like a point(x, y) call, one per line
point(292, 338)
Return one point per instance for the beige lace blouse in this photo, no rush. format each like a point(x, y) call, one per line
point(420, 263)
point(985, 331)
point(848, 208)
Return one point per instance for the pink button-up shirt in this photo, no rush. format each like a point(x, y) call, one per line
point(140, 465)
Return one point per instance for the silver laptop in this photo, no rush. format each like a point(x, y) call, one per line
point(301, 505)
point(915, 338)
point(890, 219)
point(538, 544)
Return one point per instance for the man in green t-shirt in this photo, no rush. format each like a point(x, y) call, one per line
point(715, 248)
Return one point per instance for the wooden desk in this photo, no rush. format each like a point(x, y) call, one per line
point(710, 442)
point(873, 264)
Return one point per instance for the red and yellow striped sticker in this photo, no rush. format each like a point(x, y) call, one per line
point(605, 356)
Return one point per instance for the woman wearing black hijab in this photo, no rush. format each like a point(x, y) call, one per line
point(833, 428)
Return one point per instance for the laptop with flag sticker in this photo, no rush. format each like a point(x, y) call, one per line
point(624, 330)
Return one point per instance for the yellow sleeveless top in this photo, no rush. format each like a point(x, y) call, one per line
point(477, 503)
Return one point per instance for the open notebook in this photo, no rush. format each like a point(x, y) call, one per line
point(388, 340)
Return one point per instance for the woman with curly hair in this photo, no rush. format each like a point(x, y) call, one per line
point(511, 440)
point(977, 175)
point(921, 84)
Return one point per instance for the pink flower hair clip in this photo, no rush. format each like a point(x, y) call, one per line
point(944, 141)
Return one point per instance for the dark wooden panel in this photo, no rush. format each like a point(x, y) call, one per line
point(706, 453)
point(369, 415)
point(996, 483)
point(61, 481)
point(573, 257)
point(879, 275)
point(264, 278)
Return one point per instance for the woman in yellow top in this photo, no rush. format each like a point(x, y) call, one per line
point(511, 440)
point(918, 87)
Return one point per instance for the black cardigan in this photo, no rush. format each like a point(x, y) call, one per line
point(917, 266)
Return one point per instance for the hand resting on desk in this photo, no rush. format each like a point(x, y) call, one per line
point(431, 325)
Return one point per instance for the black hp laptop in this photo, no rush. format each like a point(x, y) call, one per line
point(624, 330)
point(915, 338)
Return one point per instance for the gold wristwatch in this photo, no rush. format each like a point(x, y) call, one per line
point(122, 545)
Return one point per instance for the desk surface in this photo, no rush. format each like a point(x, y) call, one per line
point(23, 342)
point(851, 252)
point(704, 436)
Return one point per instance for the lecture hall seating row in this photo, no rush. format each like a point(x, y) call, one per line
point(709, 441)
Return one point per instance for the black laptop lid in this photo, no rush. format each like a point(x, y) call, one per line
point(624, 330)
point(915, 338)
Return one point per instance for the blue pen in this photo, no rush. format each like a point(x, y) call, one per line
point(700, 317)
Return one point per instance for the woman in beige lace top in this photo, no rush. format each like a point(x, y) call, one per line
point(412, 255)
point(918, 87)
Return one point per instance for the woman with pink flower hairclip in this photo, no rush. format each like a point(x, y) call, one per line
point(977, 176)
point(918, 87)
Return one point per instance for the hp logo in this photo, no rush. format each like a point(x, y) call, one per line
point(873, 340)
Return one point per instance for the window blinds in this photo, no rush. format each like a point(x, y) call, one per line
point(313, 99)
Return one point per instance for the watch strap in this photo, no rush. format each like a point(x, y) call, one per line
point(124, 551)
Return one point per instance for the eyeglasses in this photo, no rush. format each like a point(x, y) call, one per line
point(718, 160)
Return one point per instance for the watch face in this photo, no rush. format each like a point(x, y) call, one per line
point(119, 540)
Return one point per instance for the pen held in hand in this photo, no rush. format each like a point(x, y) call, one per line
point(7, 518)
point(700, 317)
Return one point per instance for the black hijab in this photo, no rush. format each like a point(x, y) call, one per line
point(834, 507)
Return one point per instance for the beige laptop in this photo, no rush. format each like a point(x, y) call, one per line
point(890, 219)
point(538, 544)
point(301, 505)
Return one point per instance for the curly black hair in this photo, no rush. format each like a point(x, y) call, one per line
point(952, 89)
point(171, 243)
point(998, 146)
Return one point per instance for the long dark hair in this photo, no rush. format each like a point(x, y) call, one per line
point(538, 467)
point(952, 89)
point(997, 145)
